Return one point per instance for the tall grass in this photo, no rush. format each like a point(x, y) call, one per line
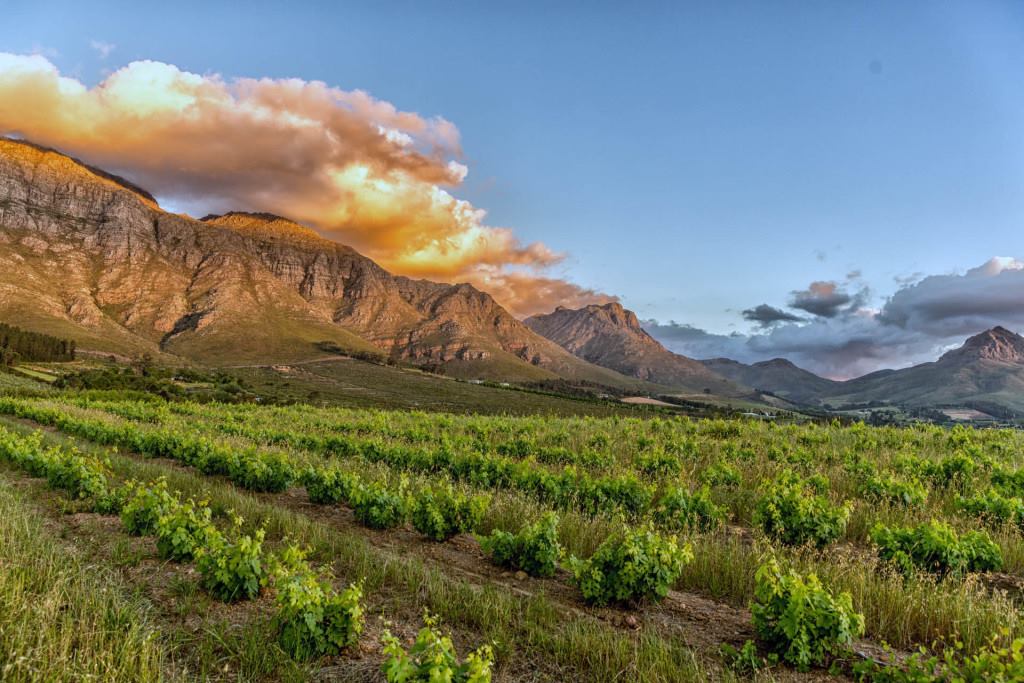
point(60, 619)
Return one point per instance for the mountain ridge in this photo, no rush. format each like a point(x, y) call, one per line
point(233, 287)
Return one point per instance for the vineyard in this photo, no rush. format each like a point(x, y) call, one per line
point(288, 543)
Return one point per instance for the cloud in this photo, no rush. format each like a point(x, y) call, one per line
point(766, 316)
point(956, 305)
point(824, 299)
point(102, 49)
point(916, 324)
point(356, 168)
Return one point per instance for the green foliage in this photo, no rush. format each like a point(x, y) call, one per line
point(442, 512)
point(183, 529)
point(993, 508)
point(721, 473)
point(144, 505)
point(658, 463)
point(631, 566)
point(312, 618)
point(889, 489)
point(18, 344)
point(681, 509)
point(799, 619)
point(79, 475)
point(792, 513)
point(1001, 661)
point(327, 485)
point(746, 660)
point(534, 549)
point(257, 471)
point(378, 507)
point(936, 547)
point(232, 567)
point(432, 659)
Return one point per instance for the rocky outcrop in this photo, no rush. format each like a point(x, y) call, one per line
point(611, 336)
point(998, 344)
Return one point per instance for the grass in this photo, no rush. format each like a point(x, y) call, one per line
point(353, 384)
point(62, 619)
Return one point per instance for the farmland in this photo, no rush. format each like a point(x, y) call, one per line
point(549, 548)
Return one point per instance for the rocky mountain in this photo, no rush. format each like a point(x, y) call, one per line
point(777, 376)
point(87, 255)
point(610, 336)
point(987, 372)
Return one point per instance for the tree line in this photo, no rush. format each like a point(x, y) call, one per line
point(17, 344)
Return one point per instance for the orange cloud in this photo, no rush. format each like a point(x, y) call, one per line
point(354, 167)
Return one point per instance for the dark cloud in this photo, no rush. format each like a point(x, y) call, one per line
point(765, 315)
point(954, 305)
point(827, 299)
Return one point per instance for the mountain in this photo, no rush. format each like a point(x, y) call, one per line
point(610, 336)
point(777, 376)
point(87, 255)
point(987, 372)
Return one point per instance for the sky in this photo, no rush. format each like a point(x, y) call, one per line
point(837, 183)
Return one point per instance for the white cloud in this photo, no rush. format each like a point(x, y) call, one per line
point(102, 49)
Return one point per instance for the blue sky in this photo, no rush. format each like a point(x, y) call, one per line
point(694, 159)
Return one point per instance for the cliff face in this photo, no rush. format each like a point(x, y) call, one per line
point(87, 254)
point(611, 336)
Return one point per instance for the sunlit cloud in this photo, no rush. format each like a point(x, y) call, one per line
point(356, 168)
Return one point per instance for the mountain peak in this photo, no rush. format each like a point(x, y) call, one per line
point(26, 151)
point(611, 336)
point(997, 344)
point(261, 223)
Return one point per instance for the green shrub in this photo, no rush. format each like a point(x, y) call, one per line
point(80, 476)
point(799, 619)
point(442, 513)
point(257, 471)
point(534, 549)
point(889, 489)
point(721, 474)
point(329, 485)
point(658, 463)
point(144, 505)
point(232, 568)
point(432, 659)
point(312, 618)
point(378, 507)
point(792, 513)
point(935, 547)
point(680, 509)
point(631, 566)
point(184, 528)
point(993, 508)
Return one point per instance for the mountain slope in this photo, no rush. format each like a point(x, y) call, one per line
point(230, 289)
point(778, 376)
point(987, 371)
point(610, 336)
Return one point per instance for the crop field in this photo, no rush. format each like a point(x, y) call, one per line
point(243, 542)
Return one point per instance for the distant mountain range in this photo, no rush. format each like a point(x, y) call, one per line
point(87, 255)
point(986, 373)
